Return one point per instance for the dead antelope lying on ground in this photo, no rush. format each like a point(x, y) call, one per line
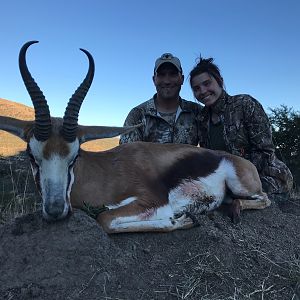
point(144, 186)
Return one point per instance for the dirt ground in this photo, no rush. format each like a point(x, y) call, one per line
point(74, 259)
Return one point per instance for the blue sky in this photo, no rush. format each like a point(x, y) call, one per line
point(255, 43)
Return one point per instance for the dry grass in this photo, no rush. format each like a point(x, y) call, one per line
point(11, 145)
point(18, 193)
point(17, 190)
point(101, 145)
point(208, 273)
point(16, 110)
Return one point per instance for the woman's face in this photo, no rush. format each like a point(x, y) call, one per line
point(206, 89)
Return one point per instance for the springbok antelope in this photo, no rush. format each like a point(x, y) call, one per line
point(144, 186)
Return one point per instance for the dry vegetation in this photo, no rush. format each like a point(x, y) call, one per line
point(258, 259)
point(17, 190)
point(11, 145)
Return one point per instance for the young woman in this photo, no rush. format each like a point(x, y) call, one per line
point(239, 125)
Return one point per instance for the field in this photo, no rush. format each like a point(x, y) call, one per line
point(11, 145)
point(18, 193)
point(258, 258)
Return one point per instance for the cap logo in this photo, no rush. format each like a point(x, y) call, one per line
point(167, 56)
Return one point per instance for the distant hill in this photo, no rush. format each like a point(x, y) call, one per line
point(16, 110)
point(11, 145)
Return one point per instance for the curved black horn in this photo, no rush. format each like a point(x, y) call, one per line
point(70, 122)
point(42, 126)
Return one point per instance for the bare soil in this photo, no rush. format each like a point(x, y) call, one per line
point(74, 259)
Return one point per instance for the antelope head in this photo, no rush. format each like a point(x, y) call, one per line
point(53, 144)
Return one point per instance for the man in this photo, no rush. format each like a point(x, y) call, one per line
point(166, 117)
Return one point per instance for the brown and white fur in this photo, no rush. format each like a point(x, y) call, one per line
point(145, 186)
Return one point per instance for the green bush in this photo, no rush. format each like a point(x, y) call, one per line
point(286, 134)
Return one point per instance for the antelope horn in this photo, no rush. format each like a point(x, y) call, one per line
point(70, 121)
point(42, 126)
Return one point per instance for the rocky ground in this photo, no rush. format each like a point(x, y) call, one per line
point(74, 259)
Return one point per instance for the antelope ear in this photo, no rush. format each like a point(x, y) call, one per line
point(89, 133)
point(19, 128)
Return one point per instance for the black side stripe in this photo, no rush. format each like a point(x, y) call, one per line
point(192, 166)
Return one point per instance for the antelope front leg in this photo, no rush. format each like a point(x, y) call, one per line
point(133, 218)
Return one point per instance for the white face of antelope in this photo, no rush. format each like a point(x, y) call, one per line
point(52, 164)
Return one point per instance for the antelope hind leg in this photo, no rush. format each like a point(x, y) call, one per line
point(260, 201)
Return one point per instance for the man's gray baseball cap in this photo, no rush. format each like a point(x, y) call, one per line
point(168, 58)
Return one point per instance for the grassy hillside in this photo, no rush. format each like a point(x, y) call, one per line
point(11, 145)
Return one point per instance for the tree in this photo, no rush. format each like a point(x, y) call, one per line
point(285, 123)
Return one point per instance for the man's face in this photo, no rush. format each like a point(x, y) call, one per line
point(206, 89)
point(168, 81)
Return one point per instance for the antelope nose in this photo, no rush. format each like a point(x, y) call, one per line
point(55, 209)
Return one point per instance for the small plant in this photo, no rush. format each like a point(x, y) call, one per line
point(17, 189)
